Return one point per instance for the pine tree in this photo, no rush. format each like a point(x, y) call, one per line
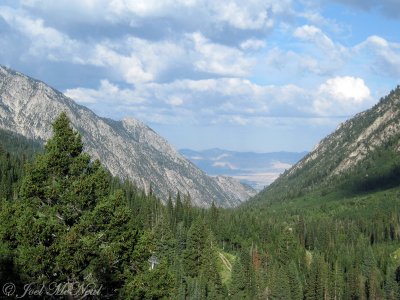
point(372, 285)
point(66, 224)
point(296, 290)
point(392, 288)
point(279, 285)
point(194, 253)
point(336, 281)
point(237, 288)
point(317, 280)
point(178, 208)
point(171, 213)
point(63, 176)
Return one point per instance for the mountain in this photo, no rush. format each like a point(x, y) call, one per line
point(361, 155)
point(255, 169)
point(128, 148)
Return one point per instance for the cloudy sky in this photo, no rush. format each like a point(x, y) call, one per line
point(259, 75)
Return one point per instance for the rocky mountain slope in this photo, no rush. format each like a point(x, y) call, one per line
point(128, 148)
point(364, 150)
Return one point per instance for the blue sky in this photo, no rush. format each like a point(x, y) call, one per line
point(257, 75)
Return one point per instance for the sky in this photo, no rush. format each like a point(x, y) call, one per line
point(255, 75)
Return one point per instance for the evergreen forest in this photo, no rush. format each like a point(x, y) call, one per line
point(64, 218)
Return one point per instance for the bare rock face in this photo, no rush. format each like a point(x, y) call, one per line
point(234, 188)
point(128, 148)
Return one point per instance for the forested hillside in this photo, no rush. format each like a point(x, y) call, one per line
point(64, 219)
point(15, 152)
point(68, 220)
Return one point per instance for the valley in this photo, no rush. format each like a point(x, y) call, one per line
point(327, 228)
point(200, 150)
point(255, 169)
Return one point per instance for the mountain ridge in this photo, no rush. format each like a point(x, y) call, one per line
point(128, 148)
point(348, 156)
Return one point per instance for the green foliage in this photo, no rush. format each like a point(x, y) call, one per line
point(243, 281)
point(72, 221)
point(15, 150)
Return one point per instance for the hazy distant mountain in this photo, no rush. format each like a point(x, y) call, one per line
point(256, 169)
point(128, 148)
point(362, 154)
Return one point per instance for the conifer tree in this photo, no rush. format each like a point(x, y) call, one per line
point(279, 285)
point(296, 291)
point(194, 252)
point(237, 287)
point(66, 224)
point(392, 288)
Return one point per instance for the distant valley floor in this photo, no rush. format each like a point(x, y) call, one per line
point(255, 169)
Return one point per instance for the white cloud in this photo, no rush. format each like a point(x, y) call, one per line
point(107, 94)
point(253, 15)
point(310, 52)
point(130, 66)
point(224, 164)
point(385, 56)
point(310, 33)
point(252, 44)
point(132, 59)
point(44, 40)
point(341, 96)
point(175, 100)
point(249, 15)
point(137, 60)
point(346, 89)
point(316, 18)
point(219, 59)
point(229, 101)
point(318, 53)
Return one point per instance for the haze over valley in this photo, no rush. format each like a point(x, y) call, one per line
point(255, 169)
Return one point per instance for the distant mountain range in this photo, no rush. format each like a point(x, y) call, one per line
point(128, 149)
point(255, 169)
point(361, 155)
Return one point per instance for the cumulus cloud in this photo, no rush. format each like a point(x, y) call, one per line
point(44, 40)
point(254, 15)
point(198, 15)
point(219, 59)
point(313, 34)
point(313, 52)
point(138, 60)
point(316, 53)
point(341, 95)
point(316, 18)
point(229, 101)
point(329, 52)
point(385, 55)
point(252, 44)
point(202, 62)
point(106, 90)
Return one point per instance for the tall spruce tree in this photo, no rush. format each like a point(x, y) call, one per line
point(66, 224)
